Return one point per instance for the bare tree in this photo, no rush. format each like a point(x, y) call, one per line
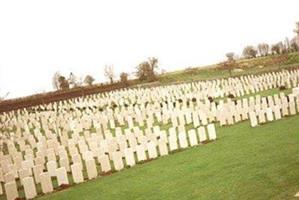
point(263, 49)
point(109, 72)
point(73, 81)
point(230, 63)
point(287, 44)
point(88, 80)
point(249, 52)
point(276, 48)
point(4, 96)
point(293, 45)
point(146, 69)
point(153, 62)
point(296, 30)
point(281, 47)
point(55, 80)
point(124, 78)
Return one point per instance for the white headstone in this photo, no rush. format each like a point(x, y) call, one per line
point(211, 132)
point(140, 153)
point(11, 190)
point(173, 144)
point(129, 157)
point(62, 176)
point(37, 170)
point(46, 182)
point(105, 163)
point(183, 140)
point(77, 173)
point(253, 119)
point(162, 147)
point(152, 150)
point(91, 169)
point(51, 167)
point(117, 160)
point(202, 134)
point(192, 138)
point(29, 188)
point(269, 114)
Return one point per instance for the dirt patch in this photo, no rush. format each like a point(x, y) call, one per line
point(106, 173)
point(63, 187)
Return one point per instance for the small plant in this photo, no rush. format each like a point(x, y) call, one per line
point(282, 88)
point(231, 96)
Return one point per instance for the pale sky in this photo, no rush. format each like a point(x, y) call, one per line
point(38, 38)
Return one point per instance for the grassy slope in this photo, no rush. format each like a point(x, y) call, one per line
point(244, 163)
point(211, 72)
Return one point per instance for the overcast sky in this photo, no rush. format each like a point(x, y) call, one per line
point(38, 38)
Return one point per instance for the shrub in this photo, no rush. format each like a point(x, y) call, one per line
point(230, 96)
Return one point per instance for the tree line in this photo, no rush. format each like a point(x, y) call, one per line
point(281, 47)
point(262, 50)
point(145, 71)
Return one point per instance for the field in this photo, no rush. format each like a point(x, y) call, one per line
point(244, 163)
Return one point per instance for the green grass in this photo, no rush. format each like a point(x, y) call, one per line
point(244, 163)
point(211, 72)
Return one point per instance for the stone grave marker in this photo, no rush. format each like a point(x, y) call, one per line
point(192, 138)
point(46, 182)
point(61, 176)
point(211, 132)
point(91, 168)
point(202, 134)
point(77, 173)
point(29, 188)
point(11, 190)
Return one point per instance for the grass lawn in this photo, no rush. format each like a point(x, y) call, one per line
point(211, 72)
point(244, 163)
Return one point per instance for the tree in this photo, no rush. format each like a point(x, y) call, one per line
point(282, 48)
point(3, 97)
point(293, 45)
point(263, 49)
point(73, 82)
point(55, 80)
point(88, 80)
point(230, 63)
point(124, 78)
point(153, 62)
point(230, 56)
point(146, 69)
point(287, 44)
point(109, 72)
point(275, 49)
point(296, 30)
point(63, 83)
point(249, 52)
